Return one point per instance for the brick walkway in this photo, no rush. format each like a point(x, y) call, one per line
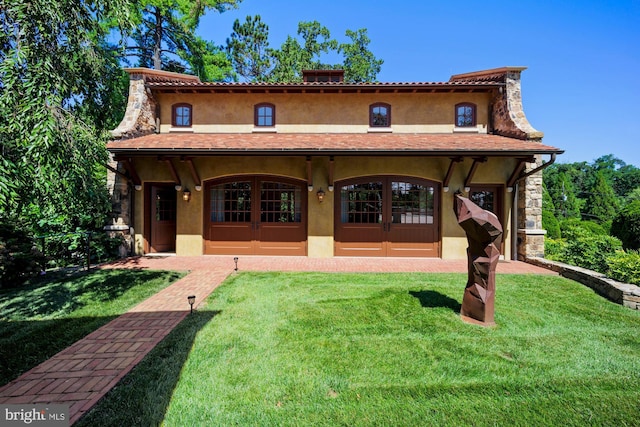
point(83, 373)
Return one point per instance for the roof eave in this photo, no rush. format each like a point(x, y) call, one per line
point(329, 152)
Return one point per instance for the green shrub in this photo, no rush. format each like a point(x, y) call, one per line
point(19, 257)
point(624, 266)
point(554, 249)
point(568, 226)
point(550, 223)
point(626, 225)
point(590, 251)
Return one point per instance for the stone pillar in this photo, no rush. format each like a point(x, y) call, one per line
point(120, 217)
point(530, 232)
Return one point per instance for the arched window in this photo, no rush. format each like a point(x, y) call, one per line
point(181, 115)
point(265, 115)
point(380, 115)
point(465, 114)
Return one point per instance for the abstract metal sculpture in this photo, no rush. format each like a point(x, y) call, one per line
point(484, 234)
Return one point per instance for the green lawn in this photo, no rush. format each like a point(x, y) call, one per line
point(49, 314)
point(387, 349)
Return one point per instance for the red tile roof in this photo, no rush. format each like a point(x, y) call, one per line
point(332, 143)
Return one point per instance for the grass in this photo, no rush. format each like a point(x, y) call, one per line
point(387, 349)
point(49, 314)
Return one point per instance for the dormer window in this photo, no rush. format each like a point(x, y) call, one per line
point(181, 115)
point(380, 115)
point(265, 115)
point(465, 115)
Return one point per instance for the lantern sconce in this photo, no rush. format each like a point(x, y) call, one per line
point(186, 195)
point(320, 195)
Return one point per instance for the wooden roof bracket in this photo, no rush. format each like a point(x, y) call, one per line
point(172, 170)
point(517, 171)
point(309, 175)
point(331, 167)
point(447, 178)
point(131, 170)
point(472, 171)
point(539, 168)
point(194, 173)
point(117, 172)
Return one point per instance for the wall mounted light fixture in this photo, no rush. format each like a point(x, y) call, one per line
point(186, 195)
point(320, 195)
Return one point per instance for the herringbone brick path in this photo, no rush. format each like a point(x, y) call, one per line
point(83, 373)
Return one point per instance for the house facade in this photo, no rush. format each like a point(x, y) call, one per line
point(324, 168)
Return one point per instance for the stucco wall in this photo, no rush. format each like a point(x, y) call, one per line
point(324, 112)
point(320, 219)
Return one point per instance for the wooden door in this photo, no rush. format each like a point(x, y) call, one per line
point(163, 219)
point(359, 208)
point(412, 212)
point(256, 215)
point(387, 216)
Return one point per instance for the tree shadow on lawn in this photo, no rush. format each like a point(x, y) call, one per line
point(143, 396)
point(65, 293)
point(433, 299)
point(26, 344)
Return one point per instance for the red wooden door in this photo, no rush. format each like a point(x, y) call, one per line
point(163, 219)
point(387, 216)
point(256, 215)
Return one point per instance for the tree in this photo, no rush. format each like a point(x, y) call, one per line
point(164, 35)
point(55, 75)
point(626, 180)
point(211, 64)
point(288, 62)
point(360, 65)
point(626, 225)
point(294, 57)
point(248, 47)
point(601, 204)
point(549, 221)
point(562, 193)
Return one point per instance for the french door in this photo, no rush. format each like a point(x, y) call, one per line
point(258, 215)
point(387, 216)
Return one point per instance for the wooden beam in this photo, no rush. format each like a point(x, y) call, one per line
point(131, 170)
point(194, 172)
point(452, 166)
point(117, 172)
point(331, 167)
point(516, 172)
point(172, 170)
point(472, 171)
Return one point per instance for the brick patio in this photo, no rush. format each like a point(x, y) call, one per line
point(83, 373)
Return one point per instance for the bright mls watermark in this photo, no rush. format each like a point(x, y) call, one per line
point(35, 415)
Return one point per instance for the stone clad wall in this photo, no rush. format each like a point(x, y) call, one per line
point(530, 231)
point(140, 117)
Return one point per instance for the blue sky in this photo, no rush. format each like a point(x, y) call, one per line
point(583, 57)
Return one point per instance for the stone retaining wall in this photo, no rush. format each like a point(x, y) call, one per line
point(621, 293)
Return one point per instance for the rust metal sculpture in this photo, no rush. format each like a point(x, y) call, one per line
point(484, 234)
